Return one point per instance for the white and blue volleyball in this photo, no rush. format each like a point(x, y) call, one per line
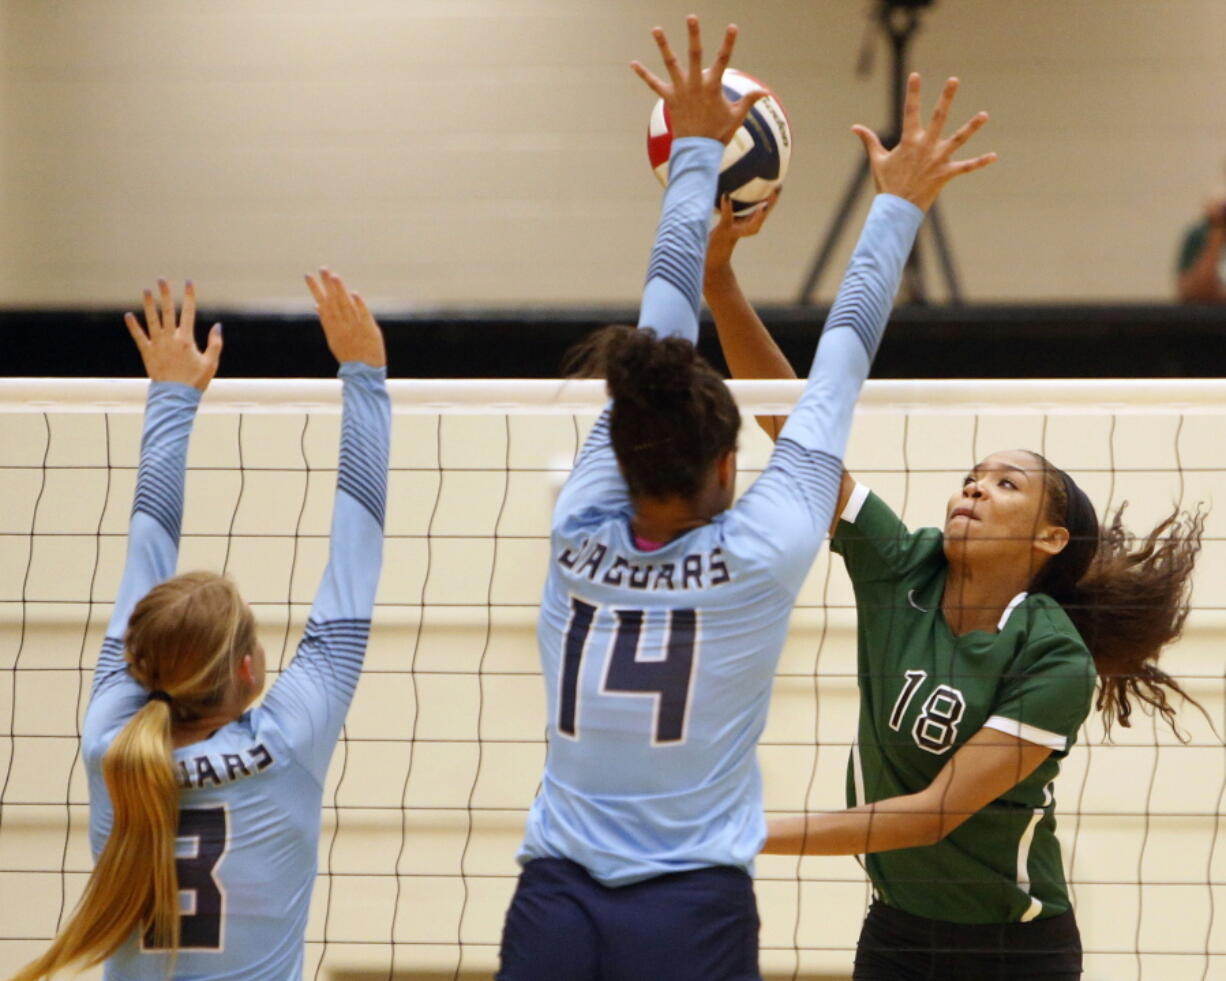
point(755, 159)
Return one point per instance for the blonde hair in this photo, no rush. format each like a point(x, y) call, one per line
point(185, 638)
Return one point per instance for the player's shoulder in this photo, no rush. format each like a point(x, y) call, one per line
point(866, 514)
point(1045, 628)
point(1193, 241)
point(588, 519)
point(927, 553)
point(1044, 617)
point(877, 544)
point(1197, 229)
point(750, 529)
point(735, 531)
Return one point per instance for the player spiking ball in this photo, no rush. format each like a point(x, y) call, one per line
point(983, 642)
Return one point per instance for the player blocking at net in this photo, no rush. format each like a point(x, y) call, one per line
point(171, 746)
point(978, 646)
point(666, 606)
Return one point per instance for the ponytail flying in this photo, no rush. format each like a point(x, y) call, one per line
point(1127, 599)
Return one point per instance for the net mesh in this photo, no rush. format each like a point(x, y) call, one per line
point(444, 746)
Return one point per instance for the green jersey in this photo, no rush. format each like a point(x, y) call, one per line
point(1192, 247)
point(924, 692)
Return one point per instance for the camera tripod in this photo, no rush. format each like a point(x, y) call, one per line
point(900, 20)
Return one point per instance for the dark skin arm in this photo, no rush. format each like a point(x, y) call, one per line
point(916, 169)
point(988, 765)
point(748, 347)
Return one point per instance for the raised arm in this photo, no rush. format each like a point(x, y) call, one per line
point(748, 347)
point(179, 372)
point(703, 120)
point(987, 766)
point(310, 699)
point(909, 178)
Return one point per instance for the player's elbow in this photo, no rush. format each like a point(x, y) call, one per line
point(935, 821)
point(771, 425)
point(929, 830)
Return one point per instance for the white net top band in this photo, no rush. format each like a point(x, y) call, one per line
point(550, 397)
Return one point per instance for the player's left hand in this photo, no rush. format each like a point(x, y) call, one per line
point(695, 100)
point(349, 327)
point(922, 163)
point(730, 229)
point(167, 345)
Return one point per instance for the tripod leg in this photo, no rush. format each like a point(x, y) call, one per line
point(832, 235)
point(944, 255)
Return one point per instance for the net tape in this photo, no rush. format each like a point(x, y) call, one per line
point(541, 396)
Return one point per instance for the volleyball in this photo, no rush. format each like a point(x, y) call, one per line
point(755, 159)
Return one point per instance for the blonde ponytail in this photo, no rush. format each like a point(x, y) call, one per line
point(184, 639)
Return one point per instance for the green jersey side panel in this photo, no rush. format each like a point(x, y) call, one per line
point(924, 692)
point(1193, 245)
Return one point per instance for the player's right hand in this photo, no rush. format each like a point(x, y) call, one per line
point(730, 229)
point(349, 327)
point(167, 344)
point(695, 100)
point(920, 165)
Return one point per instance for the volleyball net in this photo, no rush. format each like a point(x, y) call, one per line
point(443, 749)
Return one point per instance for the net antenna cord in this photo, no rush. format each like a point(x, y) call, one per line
point(899, 20)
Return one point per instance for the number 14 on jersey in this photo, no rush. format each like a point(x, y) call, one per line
point(665, 678)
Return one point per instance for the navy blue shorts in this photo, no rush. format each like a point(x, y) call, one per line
point(898, 946)
point(563, 925)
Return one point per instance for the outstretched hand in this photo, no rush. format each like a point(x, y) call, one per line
point(349, 327)
point(920, 165)
point(730, 229)
point(695, 98)
point(167, 345)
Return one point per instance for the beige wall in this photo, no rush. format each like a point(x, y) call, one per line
point(443, 746)
point(462, 152)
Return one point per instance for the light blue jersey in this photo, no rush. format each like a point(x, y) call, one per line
point(658, 664)
point(251, 792)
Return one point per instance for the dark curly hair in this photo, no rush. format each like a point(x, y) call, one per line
point(672, 415)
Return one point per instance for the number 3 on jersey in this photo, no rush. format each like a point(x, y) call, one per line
point(936, 727)
point(203, 831)
point(666, 679)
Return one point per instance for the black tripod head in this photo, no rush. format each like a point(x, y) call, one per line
point(900, 18)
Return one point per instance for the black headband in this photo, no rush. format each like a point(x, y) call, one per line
point(1079, 516)
point(1061, 575)
point(159, 696)
point(1063, 571)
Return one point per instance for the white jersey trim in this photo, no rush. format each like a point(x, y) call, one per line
point(1023, 857)
point(857, 775)
point(855, 502)
point(1032, 734)
point(1013, 605)
point(1035, 909)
